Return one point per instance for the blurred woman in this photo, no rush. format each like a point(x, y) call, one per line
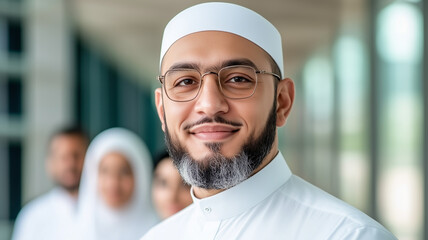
point(169, 192)
point(114, 195)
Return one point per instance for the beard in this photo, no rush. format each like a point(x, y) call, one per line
point(217, 171)
point(69, 187)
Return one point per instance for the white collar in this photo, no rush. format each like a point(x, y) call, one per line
point(245, 195)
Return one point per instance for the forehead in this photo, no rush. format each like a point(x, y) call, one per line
point(211, 48)
point(65, 140)
point(114, 159)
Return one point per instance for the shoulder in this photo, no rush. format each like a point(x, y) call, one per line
point(368, 232)
point(172, 226)
point(316, 207)
point(37, 206)
point(307, 196)
point(31, 216)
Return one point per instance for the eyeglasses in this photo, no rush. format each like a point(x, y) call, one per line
point(235, 82)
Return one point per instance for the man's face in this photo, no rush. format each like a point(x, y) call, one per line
point(244, 120)
point(209, 50)
point(65, 160)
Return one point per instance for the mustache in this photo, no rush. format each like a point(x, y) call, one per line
point(216, 119)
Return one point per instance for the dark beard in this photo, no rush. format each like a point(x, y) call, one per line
point(71, 189)
point(217, 171)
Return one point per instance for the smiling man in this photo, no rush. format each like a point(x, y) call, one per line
point(223, 96)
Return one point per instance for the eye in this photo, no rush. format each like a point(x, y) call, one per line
point(185, 82)
point(103, 170)
point(160, 182)
point(125, 172)
point(239, 79)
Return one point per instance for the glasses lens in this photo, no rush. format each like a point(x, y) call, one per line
point(235, 82)
point(182, 85)
point(238, 81)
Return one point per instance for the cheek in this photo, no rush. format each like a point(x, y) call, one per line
point(258, 111)
point(102, 185)
point(176, 114)
point(127, 186)
point(80, 163)
point(252, 113)
point(62, 164)
point(159, 194)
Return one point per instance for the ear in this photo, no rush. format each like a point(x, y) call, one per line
point(285, 100)
point(159, 106)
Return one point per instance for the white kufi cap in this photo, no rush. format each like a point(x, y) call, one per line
point(225, 17)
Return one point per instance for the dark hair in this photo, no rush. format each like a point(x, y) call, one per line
point(71, 131)
point(274, 69)
point(158, 158)
point(274, 66)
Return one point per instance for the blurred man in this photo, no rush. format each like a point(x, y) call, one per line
point(223, 96)
point(52, 215)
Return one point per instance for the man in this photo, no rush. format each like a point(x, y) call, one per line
point(223, 95)
point(51, 216)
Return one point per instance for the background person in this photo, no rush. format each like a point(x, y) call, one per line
point(170, 193)
point(52, 215)
point(114, 198)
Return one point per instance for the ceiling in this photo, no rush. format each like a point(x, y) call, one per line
point(129, 31)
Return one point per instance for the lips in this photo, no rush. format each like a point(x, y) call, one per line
point(213, 132)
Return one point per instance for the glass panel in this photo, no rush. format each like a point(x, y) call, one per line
point(351, 68)
point(4, 181)
point(15, 43)
point(3, 38)
point(14, 101)
point(318, 104)
point(399, 45)
point(3, 96)
point(15, 160)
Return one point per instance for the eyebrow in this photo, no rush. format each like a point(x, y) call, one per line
point(226, 63)
point(238, 61)
point(184, 65)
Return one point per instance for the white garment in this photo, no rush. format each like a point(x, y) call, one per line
point(272, 204)
point(50, 216)
point(95, 219)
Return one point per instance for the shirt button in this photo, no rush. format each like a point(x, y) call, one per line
point(207, 210)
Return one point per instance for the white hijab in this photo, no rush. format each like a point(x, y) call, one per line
point(95, 219)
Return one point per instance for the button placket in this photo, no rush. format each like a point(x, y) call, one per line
point(207, 210)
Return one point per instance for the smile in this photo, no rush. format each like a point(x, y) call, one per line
point(213, 131)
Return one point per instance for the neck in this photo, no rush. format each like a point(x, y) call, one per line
point(204, 193)
point(72, 193)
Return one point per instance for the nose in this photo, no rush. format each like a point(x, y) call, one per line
point(211, 100)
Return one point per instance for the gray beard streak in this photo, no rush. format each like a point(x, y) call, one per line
point(224, 172)
point(217, 171)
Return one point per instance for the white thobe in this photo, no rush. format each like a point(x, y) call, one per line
point(272, 204)
point(48, 217)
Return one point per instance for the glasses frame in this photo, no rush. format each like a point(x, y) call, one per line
point(161, 79)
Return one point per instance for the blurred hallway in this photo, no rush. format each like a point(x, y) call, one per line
point(359, 127)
